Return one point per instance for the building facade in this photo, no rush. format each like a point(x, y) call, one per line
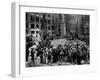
point(57, 25)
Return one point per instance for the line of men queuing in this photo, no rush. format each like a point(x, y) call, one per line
point(73, 53)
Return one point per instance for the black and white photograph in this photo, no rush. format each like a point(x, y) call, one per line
point(55, 39)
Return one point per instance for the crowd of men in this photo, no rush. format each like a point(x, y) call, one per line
point(73, 52)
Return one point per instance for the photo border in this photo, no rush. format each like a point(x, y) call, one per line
point(16, 63)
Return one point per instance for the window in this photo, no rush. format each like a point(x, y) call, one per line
point(37, 26)
point(32, 18)
point(32, 32)
point(37, 32)
point(32, 26)
point(48, 27)
point(53, 27)
point(49, 21)
point(37, 19)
